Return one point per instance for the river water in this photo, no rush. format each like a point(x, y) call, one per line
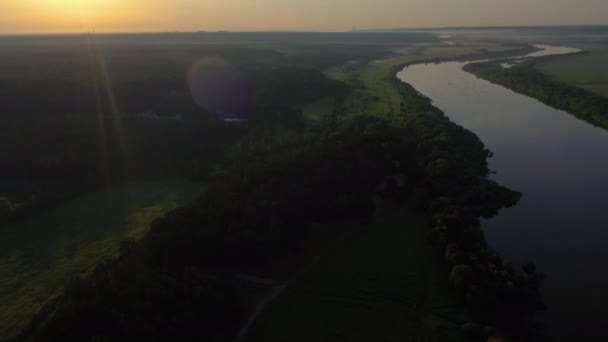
point(560, 163)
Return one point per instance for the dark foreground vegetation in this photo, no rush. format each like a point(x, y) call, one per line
point(524, 78)
point(176, 283)
point(272, 178)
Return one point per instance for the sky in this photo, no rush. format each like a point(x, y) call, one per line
point(57, 16)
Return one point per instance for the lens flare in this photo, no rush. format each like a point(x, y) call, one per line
point(219, 87)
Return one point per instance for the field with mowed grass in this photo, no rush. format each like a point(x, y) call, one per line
point(39, 256)
point(588, 70)
point(381, 282)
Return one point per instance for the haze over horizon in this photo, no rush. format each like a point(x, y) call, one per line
point(73, 16)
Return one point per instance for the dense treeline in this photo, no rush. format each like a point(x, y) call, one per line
point(456, 192)
point(527, 80)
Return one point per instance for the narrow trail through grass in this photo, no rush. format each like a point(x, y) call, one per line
point(379, 284)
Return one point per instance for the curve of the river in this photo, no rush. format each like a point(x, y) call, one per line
point(560, 163)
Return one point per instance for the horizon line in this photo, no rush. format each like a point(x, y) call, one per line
point(394, 29)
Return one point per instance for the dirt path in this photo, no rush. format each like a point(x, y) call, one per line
point(277, 291)
point(259, 309)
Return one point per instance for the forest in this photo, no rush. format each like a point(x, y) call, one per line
point(273, 176)
point(258, 213)
point(263, 204)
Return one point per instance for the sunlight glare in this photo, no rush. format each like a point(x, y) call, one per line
point(84, 9)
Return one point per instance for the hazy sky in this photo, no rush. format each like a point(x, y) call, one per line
point(19, 16)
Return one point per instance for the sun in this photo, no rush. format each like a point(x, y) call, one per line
point(86, 15)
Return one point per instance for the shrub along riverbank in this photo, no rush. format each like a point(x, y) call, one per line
point(527, 80)
point(178, 282)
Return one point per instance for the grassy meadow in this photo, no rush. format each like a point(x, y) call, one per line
point(39, 256)
point(374, 93)
point(378, 283)
point(587, 70)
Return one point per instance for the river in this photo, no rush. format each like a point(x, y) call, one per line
point(560, 163)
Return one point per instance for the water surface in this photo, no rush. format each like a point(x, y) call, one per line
point(560, 163)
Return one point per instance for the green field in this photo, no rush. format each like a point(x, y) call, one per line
point(588, 70)
point(374, 93)
point(380, 283)
point(40, 256)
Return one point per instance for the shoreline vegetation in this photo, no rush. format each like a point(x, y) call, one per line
point(524, 78)
point(181, 280)
point(519, 49)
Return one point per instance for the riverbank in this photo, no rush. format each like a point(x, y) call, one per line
point(453, 226)
point(559, 164)
point(373, 86)
point(523, 78)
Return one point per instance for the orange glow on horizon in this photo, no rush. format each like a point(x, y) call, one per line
point(55, 16)
point(75, 8)
point(79, 15)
